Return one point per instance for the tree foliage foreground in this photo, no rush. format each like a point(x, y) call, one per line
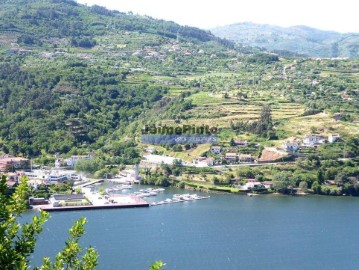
point(17, 241)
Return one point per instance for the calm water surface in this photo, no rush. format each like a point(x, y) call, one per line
point(224, 232)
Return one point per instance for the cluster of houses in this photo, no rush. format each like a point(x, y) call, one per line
point(71, 161)
point(231, 157)
point(269, 154)
point(10, 162)
point(228, 157)
point(312, 140)
point(16, 167)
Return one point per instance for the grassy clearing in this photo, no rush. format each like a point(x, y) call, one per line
point(323, 123)
point(191, 154)
point(205, 98)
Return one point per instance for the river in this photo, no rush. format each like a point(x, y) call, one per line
point(223, 232)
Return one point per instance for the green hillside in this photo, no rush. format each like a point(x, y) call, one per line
point(76, 79)
point(300, 40)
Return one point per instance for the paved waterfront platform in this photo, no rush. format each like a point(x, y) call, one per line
point(133, 202)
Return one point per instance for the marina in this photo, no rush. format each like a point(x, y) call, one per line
point(223, 232)
point(177, 198)
point(104, 194)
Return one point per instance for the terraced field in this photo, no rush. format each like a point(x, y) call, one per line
point(212, 109)
point(322, 122)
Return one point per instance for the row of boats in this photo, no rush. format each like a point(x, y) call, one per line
point(149, 192)
point(180, 198)
point(118, 188)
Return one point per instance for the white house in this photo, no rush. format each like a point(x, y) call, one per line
point(203, 162)
point(72, 160)
point(312, 140)
point(59, 162)
point(333, 138)
point(216, 149)
point(252, 184)
point(290, 147)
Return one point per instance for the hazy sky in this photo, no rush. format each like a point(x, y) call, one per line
point(337, 15)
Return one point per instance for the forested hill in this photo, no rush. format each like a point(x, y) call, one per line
point(297, 39)
point(40, 20)
point(75, 78)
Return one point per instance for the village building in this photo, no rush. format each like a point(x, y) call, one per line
point(71, 162)
point(290, 147)
point(313, 140)
point(267, 184)
point(62, 199)
point(241, 143)
point(333, 138)
point(203, 162)
point(252, 184)
point(10, 162)
point(60, 162)
point(216, 149)
point(292, 144)
point(231, 157)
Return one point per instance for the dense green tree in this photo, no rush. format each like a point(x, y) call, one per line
point(283, 182)
point(316, 187)
point(320, 176)
point(17, 241)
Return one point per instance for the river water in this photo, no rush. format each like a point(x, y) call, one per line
point(223, 232)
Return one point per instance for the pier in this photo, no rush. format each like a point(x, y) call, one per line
point(124, 202)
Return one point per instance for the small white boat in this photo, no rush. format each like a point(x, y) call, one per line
point(168, 201)
point(159, 190)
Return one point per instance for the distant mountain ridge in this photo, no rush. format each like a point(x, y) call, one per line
point(297, 39)
point(36, 21)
